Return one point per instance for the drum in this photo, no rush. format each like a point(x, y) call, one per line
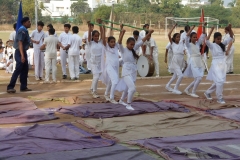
point(145, 66)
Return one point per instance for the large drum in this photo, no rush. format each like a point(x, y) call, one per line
point(145, 66)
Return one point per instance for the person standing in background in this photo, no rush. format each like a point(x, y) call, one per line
point(37, 38)
point(63, 42)
point(21, 44)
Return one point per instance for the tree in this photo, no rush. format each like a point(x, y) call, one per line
point(232, 4)
point(140, 6)
point(29, 9)
point(80, 7)
point(171, 7)
point(102, 12)
point(64, 19)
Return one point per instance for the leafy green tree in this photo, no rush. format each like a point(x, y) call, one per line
point(80, 7)
point(29, 9)
point(140, 6)
point(171, 7)
point(102, 12)
point(232, 4)
point(64, 19)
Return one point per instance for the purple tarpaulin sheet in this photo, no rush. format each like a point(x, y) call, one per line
point(22, 116)
point(230, 113)
point(47, 138)
point(115, 152)
point(16, 103)
point(215, 145)
point(108, 110)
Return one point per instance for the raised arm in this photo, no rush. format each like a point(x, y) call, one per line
point(121, 35)
point(170, 33)
point(190, 31)
point(89, 32)
point(210, 33)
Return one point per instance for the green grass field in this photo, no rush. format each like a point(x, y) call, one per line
point(161, 42)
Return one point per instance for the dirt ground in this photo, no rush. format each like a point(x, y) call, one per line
point(147, 89)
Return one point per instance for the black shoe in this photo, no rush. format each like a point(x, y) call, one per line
point(88, 72)
point(11, 91)
point(40, 78)
point(76, 78)
point(64, 76)
point(230, 72)
point(25, 90)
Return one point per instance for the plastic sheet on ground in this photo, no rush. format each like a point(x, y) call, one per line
point(215, 145)
point(230, 113)
point(163, 124)
point(47, 138)
point(108, 110)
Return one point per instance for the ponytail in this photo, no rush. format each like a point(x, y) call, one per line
point(135, 54)
point(218, 34)
point(133, 51)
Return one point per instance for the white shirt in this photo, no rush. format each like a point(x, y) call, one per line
point(142, 33)
point(1, 57)
point(137, 41)
point(82, 52)
point(129, 65)
point(51, 46)
point(47, 34)
point(179, 48)
point(64, 38)
point(85, 36)
point(75, 42)
point(169, 47)
point(38, 36)
point(112, 56)
point(216, 50)
point(95, 48)
point(12, 36)
point(152, 43)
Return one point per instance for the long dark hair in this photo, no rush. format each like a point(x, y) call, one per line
point(174, 36)
point(110, 38)
point(191, 35)
point(217, 34)
point(133, 51)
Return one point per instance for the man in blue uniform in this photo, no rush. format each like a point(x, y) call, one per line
point(21, 44)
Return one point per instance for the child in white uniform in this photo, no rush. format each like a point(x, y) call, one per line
point(82, 54)
point(30, 53)
point(74, 45)
point(229, 52)
point(217, 71)
point(37, 38)
point(110, 76)
point(87, 52)
point(63, 42)
point(129, 69)
point(138, 38)
point(152, 50)
point(96, 50)
point(195, 66)
point(2, 58)
point(168, 56)
point(9, 66)
point(177, 61)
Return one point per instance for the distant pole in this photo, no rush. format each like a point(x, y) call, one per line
point(36, 12)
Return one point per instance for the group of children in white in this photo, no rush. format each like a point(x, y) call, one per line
point(196, 67)
point(104, 56)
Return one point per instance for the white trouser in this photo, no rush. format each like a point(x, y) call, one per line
point(156, 63)
point(111, 86)
point(169, 57)
point(95, 81)
point(177, 73)
point(63, 56)
point(194, 84)
point(50, 63)
point(130, 89)
point(229, 60)
point(73, 65)
point(88, 58)
point(218, 88)
point(38, 62)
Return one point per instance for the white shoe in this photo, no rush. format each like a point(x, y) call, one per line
point(187, 92)
point(91, 91)
point(122, 103)
point(95, 95)
point(221, 101)
point(54, 81)
point(208, 96)
point(168, 88)
point(37, 79)
point(194, 95)
point(157, 76)
point(176, 92)
point(129, 107)
point(107, 98)
point(113, 101)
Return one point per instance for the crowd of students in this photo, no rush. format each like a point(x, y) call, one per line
point(103, 56)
